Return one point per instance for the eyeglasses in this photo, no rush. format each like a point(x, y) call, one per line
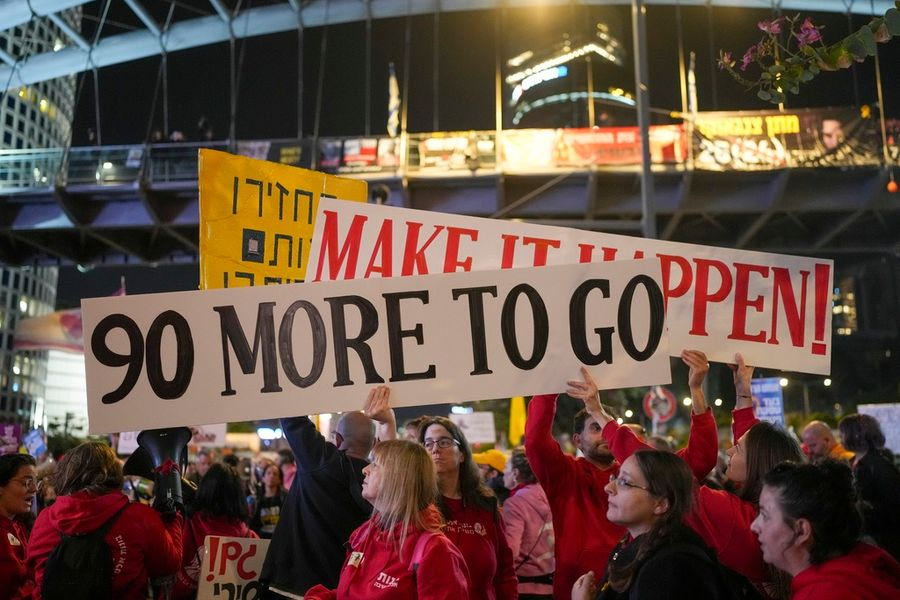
point(619, 482)
point(29, 483)
point(442, 443)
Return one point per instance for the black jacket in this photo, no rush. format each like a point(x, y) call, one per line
point(323, 507)
point(684, 568)
point(878, 487)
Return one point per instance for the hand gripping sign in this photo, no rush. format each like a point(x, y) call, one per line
point(774, 309)
point(236, 354)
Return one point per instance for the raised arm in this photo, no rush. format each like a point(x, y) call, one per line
point(622, 441)
point(743, 416)
point(378, 408)
point(310, 449)
point(702, 448)
point(547, 460)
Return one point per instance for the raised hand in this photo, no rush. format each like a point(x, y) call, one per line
point(699, 367)
point(742, 374)
point(378, 408)
point(586, 391)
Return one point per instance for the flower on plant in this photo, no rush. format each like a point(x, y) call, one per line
point(808, 33)
point(771, 27)
point(726, 61)
point(749, 57)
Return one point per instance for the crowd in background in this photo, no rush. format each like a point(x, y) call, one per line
point(367, 515)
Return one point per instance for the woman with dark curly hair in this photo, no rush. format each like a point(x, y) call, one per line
point(659, 557)
point(470, 508)
point(89, 496)
point(17, 490)
point(809, 527)
point(218, 509)
point(877, 480)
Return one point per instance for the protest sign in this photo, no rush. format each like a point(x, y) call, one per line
point(10, 437)
point(774, 309)
point(187, 358)
point(888, 416)
point(256, 218)
point(768, 399)
point(230, 568)
point(478, 427)
point(203, 436)
point(35, 442)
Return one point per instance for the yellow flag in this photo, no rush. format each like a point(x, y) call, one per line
point(516, 420)
point(257, 218)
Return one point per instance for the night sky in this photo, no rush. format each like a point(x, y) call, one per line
point(267, 105)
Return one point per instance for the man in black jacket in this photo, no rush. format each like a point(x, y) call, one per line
point(325, 503)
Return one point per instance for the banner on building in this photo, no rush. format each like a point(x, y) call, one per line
point(801, 138)
point(186, 358)
point(230, 568)
point(450, 151)
point(774, 309)
point(256, 218)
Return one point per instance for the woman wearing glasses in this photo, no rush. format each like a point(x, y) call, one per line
point(470, 509)
point(659, 557)
point(18, 485)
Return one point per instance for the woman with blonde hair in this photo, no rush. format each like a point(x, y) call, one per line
point(400, 552)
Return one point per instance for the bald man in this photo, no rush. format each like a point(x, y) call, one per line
point(325, 503)
point(821, 443)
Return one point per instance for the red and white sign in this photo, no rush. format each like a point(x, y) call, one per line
point(230, 568)
point(775, 309)
point(659, 404)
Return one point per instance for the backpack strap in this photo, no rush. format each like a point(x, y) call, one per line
point(104, 529)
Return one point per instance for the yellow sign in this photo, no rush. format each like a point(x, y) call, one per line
point(256, 218)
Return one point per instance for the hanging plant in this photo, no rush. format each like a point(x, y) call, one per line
point(783, 66)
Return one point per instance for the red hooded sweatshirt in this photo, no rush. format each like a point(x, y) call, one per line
point(140, 543)
point(375, 570)
point(14, 579)
point(196, 529)
point(866, 573)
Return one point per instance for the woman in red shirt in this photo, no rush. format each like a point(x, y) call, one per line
point(17, 489)
point(809, 527)
point(470, 508)
point(400, 552)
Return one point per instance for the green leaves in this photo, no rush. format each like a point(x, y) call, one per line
point(892, 20)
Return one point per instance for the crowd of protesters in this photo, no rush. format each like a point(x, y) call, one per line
point(368, 516)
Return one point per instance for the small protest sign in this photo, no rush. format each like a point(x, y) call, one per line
point(230, 568)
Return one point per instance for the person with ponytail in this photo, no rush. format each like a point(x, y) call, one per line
point(877, 480)
point(659, 557)
point(809, 527)
point(400, 552)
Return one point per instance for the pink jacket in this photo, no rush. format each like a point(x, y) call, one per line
point(529, 531)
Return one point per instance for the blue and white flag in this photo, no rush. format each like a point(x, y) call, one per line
point(393, 121)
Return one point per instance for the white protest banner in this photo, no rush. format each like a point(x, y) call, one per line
point(127, 443)
point(774, 309)
point(161, 360)
point(478, 427)
point(888, 416)
point(230, 567)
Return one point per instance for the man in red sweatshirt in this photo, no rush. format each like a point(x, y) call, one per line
point(574, 487)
